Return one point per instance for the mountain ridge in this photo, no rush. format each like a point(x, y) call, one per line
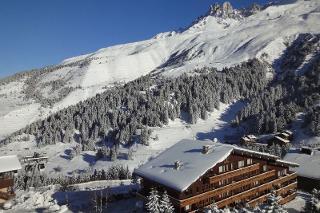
point(211, 42)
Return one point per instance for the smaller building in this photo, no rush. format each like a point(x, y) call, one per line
point(278, 140)
point(288, 134)
point(308, 172)
point(248, 139)
point(306, 150)
point(283, 138)
point(9, 165)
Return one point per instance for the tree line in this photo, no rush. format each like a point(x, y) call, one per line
point(288, 94)
point(122, 115)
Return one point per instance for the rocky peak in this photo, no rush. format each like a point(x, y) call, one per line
point(223, 11)
point(253, 9)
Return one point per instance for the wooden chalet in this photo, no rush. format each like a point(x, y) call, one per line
point(278, 140)
point(196, 173)
point(248, 139)
point(9, 165)
point(283, 138)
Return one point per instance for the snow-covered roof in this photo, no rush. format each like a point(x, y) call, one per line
point(292, 164)
point(288, 132)
point(252, 137)
point(194, 163)
point(245, 138)
point(282, 139)
point(309, 164)
point(285, 134)
point(9, 163)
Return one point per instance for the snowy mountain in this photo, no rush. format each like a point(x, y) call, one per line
point(221, 38)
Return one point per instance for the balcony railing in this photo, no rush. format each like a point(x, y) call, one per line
point(234, 173)
point(4, 183)
point(280, 191)
point(230, 187)
point(285, 189)
point(267, 186)
point(288, 198)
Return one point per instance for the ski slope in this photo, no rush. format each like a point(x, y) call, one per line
point(211, 41)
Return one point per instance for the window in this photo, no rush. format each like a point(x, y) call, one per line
point(264, 168)
point(221, 169)
point(284, 172)
point(187, 207)
point(231, 166)
point(241, 164)
point(221, 182)
point(249, 161)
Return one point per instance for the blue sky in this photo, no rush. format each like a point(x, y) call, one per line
point(35, 33)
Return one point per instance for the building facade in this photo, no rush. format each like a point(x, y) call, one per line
point(229, 176)
point(9, 165)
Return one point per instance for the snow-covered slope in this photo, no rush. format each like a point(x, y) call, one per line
point(215, 40)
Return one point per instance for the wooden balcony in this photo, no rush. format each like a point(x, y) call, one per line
point(285, 189)
point(227, 188)
point(280, 191)
point(258, 200)
point(288, 198)
point(234, 173)
point(245, 195)
point(4, 183)
point(267, 186)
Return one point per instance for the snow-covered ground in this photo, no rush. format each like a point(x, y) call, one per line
point(52, 199)
point(212, 42)
point(298, 204)
point(309, 164)
point(216, 126)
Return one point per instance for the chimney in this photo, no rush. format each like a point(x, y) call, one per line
point(205, 149)
point(177, 165)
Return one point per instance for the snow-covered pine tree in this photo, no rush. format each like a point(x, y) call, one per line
point(257, 209)
point(213, 207)
point(153, 204)
point(246, 209)
point(313, 206)
point(165, 204)
point(113, 154)
point(273, 205)
point(226, 210)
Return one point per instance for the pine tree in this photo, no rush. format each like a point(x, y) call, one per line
point(214, 207)
point(113, 154)
point(246, 209)
point(153, 202)
point(257, 209)
point(313, 206)
point(273, 205)
point(165, 204)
